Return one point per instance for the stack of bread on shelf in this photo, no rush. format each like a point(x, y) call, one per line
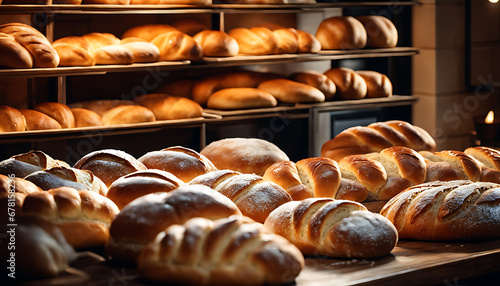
point(108, 2)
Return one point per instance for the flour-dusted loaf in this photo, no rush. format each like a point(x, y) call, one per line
point(22, 165)
point(335, 228)
point(228, 251)
point(341, 33)
point(447, 211)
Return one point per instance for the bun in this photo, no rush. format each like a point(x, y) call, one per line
point(350, 85)
point(140, 183)
point(127, 114)
point(190, 26)
point(317, 80)
point(140, 221)
point(291, 92)
point(143, 52)
point(148, 32)
point(83, 217)
point(308, 43)
point(167, 107)
point(257, 257)
point(335, 228)
point(100, 106)
point(184, 163)
point(86, 117)
point(380, 31)
point(24, 164)
point(60, 112)
point(109, 164)
point(288, 41)
point(216, 44)
point(177, 46)
point(341, 33)
point(378, 85)
point(446, 211)
point(36, 120)
point(11, 119)
point(255, 41)
point(241, 98)
point(14, 55)
point(246, 155)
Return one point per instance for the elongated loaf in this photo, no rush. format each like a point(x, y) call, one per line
point(58, 111)
point(22, 165)
point(168, 107)
point(241, 98)
point(148, 32)
point(11, 119)
point(380, 31)
point(288, 41)
point(223, 252)
point(377, 84)
point(36, 120)
point(74, 51)
point(255, 41)
point(86, 118)
point(127, 114)
point(336, 228)
point(285, 90)
point(451, 165)
point(177, 46)
point(488, 156)
point(350, 85)
point(14, 55)
point(317, 80)
point(455, 210)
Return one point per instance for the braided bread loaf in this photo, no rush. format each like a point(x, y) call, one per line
point(455, 210)
point(489, 157)
point(336, 228)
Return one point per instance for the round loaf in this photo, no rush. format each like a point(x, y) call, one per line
point(36, 120)
point(58, 111)
point(182, 162)
point(71, 56)
point(127, 114)
point(308, 43)
point(113, 55)
point(148, 32)
point(341, 33)
point(14, 55)
point(86, 118)
point(167, 107)
point(350, 85)
point(288, 41)
point(177, 46)
point(246, 155)
point(100, 106)
point(289, 91)
point(83, 217)
point(143, 52)
point(241, 98)
point(109, 164)
point(140, 221)
point(24, 164)
point(11, 119)
point(141, 183)
point(317, 80)
point(378, 84)
point(189, 26)
point(380, 31)
point(255, 41)
point(217, 44)
point(488, 156)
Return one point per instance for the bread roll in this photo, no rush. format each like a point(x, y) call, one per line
point(86, 117)
point(109, 164)
point(182, 162)
point(291, 91)
point(488, 156)
point(177, 46)
point(317, 80)
point(380, 31)
point(24, 164)
point(196, 253)
point(255, 41)
point(308, 43)
point(36, 120)
point(288, 41)
point(148, 32)
point(58, 111)
point(378, 84)
point(335, 228)
point(446, 211)
point(140, 221)
point(217, 44)
point(246, 155)
point(100, 106)
point(451, 165)
point(190, 26)
point(167, 107)
point(143, 52)
point(83, 217)
point(341, 33)
point(241, 98)
point(127, 114)
point(100, 40)
point(349, 84)
point(14, 55)
point(44, 55)
point(71, 56)
point(11, 119)
point(141, 183)
point(113, 55)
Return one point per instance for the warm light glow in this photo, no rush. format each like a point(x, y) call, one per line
point(490, 117)
point(493, 1)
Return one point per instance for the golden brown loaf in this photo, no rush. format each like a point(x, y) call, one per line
point(253, 1)
point(167, 107)
point(83, 217)
point(341, 33)
point(36, 120)
point(255, 41)
point(14, 55)
point(182, 162)
point(143, 52)
point(350, 85)
point(224, 252)
point(127, 114)
point(488, 156)
point(177, 46)
point(140, 221)
point(285, 90)
point(113, 55)
point(109, 164)
point(217, 44)
point(288, 41)
point(378, 84)
point(380, 31)
point(11, 119)
point(140, 183)
point(317, 80)
point(456, 210)
point(335, 228)
point(246, 155)
point(100, 106)
point(148, 32)
point(308, 43)
point(179, 87)
point(254, 196)
point(99, 40)
point(188, 25)
point(58, 111)
point(107, 2)
point(24, 164)
point(451, 165)
point(9, 185)
point(44, 55)
point(86, 118)
point(241, 98)
point(286, 175)
point(376, 137)
point(74, 51)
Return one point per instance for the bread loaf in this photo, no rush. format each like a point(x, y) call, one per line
point(74, 51)
point(350, 85)
point(148, 32)
point(22, 165)
point(377, 84)
point(83, 217)
point(58, 111)
point(335, 228)
point(488, 156)
point(224, 252)
point(380, 31)
point(113, 55)
point(177, 46)
point(11, 119)
point(190, 26)
point(246, 155)
point(140, 221)
point(9, 185)
point(182, 162)
point(308, 43)
point(140, 183)
point(127, 114)
point(291, 91)
point(446, 211)
point(36, 120)
point(100, 40)
point(255, 41)
point(167, 107)
point(100, 106)
point(216, 44)
point(14, 55)
point(143, 52)
point(180, 87)
point(317, 80)
point(241, 98)
point(109, 164)
point(341, 33)
point(288, 41)
point(86, 117)
point(451, 165)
